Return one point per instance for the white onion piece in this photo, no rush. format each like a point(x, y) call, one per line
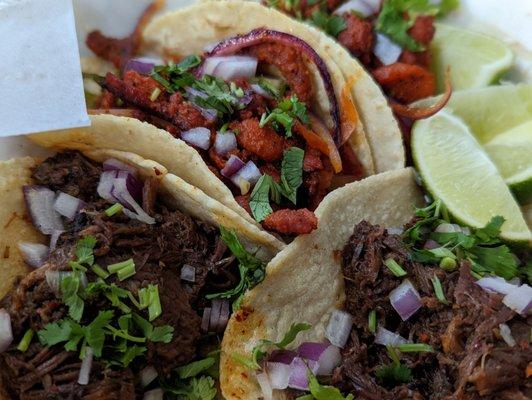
point(395, 231)
point(34, 254)
point(246, 177)
point(386, 50)
point(405, 299)
point(154, 394)
point(224, 142)
point(188, 273)
point(6, 332)
point(260, 90)
point(199, 137)
point(230, 67)
point(265, 386)
point(339, 328)
point(506, 334)
point(112, 164)
point(299, 373)
point(86, 367)
point(209, 113)
point(105, 186)
point(40, 202)
point(68, 206)
point(54, 237)
point(220, 311)
point(359, 6)
point(232, 166)
point(205, 319)
point(496, 284)
point(520, 300)
point(148, 375)
point(279, 374)
point(515, 281)
point(385, 337)
point(374, 4)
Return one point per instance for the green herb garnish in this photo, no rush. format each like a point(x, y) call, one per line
point(393, 266)
point(329, 23)
point(438, 289)
point(394, 372)
point(259, 201)
point(285, 115)
point(372, 321)
point(114, 209)
point(414, 348)
point(26, 340)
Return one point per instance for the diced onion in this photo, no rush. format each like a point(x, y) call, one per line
point(385, 337)
point(395, 231)
point(142, 65)
point(148, 375)
point(34, 254)
point(299, 373)
point(68, 206)
point(112, 164)
point(188, 273)
point(54, 237)
point(205, 319)
point(199, 137)
point(327, 356)
point(278, 374)
point(496, 284)
point(265, 386)
point(359, 6)
point(230, 67)
point(283, 356)
point(405, 299)
point(339, 328)
point(386, 50)
point(40, 202)
point(86, 367)
point(224, 142)
point(154, 394)
point(520, 300)
point(219, 315)
point(260, 90)
point(506, 335)
point(246, 177)
point(6, 332)
point(232, 166)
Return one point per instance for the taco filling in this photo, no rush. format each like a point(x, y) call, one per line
point(249, 107)
point(438, 312)
point(130, 297)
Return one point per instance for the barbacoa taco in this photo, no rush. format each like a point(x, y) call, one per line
point(264, 121)
point(117, 279)
point(362, 308)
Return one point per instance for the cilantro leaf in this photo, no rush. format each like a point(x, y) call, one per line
point(70, 287)
point(323, 392)
point(162, 334)
point(497, 260)
point(196, 367)
point(292, 172)
point(95, 333)
point(202, 388)
point(130, 354)
point(490, 233)
point(259, 201)
point(329, 23)
point(394, 373)
point(243, 256)
point(55, 333)
point(186, 64)
point(84, 250)
point(285, 114)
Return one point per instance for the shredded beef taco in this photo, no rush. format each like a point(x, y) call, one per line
point(252, 109)
point(118, 279)
point(384, 302)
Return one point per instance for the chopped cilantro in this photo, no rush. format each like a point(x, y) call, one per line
point(292, 172)
point(329, 23)
point(414, 348)
point(70, 287)
point(100, 271)
point(202, 388)
point(84, 250)
point(195, 368)
point(393, 266)
point(394, 372)
point(26, 340)
point(372, 321)
point(186, 64)
point(114, 209)
point(259, 201)
point(285, 114)
point(438, 289)
point(323, 392)
point(130, 354)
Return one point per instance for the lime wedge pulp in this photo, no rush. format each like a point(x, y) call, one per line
point(456, 170)
point(511, 151)
point(475, 59)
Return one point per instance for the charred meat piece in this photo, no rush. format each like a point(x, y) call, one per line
point(288, 222)
point(358, 37)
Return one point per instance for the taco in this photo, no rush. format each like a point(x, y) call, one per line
point(117, 279)
point(265, 122)
point(362, 308)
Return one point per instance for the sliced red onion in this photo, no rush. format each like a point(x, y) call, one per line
point(224, 142)
point(6, 332)
point(54, 237)
point(205, 319)
point(299, 373)
point(86, 367)
point(210, 46)
point(496, 284)
point(361, 7)
point(230, 67)
point(68, 206)
point(327, 356)
point(405, 299)
point(232, 166)
point(148, 375)
point(506, 334)
point(249, 172)
point(106, 184)
point(282, 356)
point(261, 35)
point(40, 203)
point(385, 337)
point(112, 164)
point(142, 65)
point(260, 90)
point(188, 273)
point(132, 185)
point(220, 311)
point(265, 385)
point(278, 374)
point(194, 93)
point(520, 300)
point(431, 245)
point(34, 254)
point(199, 137)
point(154, 394)
point(386, 50)
point(339, 328)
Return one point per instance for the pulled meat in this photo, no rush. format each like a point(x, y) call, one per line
point(291, 222)
point(358, 37)
point(470, 359)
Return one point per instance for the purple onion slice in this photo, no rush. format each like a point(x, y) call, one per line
point(40, 203)
point(405, 299)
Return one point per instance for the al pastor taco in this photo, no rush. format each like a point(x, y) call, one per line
point(118, 279)
point(264, 121)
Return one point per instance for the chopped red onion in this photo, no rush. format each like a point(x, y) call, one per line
point(339, 328)
point(431, 244)
point(142, 65)
point(188, 273)
point(283, 356)
point(515, 281)
point(198, 137)
point(6, 332)
point(232, 166)
point(205, 319)
point(209, 113)
point(265, 385)
point(327, 356)
point(386, 50)
point(194, 93)
point(385, 337)
point(496, 284)
point(112, 164)
point(68, 206)
point(405, 299)
point(154, 394)
point(260, 90)
point(299, 373)
point(278, 374)
point(224, 142)
point(506, 334)
point(148, 375)
point(40, 203)
point(34, 254)
point(220, 311)
point(230, 67)
point(86, 367)
point(123, 193)
point(106, 184)
point(247, 176)
point(520, 300)
point(359, 6)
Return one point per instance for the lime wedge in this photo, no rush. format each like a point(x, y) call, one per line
point(476, 60)
point(511, 152)
point(456, 170)
point(492, 110)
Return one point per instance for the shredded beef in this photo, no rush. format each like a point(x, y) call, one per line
point(470, 361)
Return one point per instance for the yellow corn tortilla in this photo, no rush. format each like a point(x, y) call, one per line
point(304, 282)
